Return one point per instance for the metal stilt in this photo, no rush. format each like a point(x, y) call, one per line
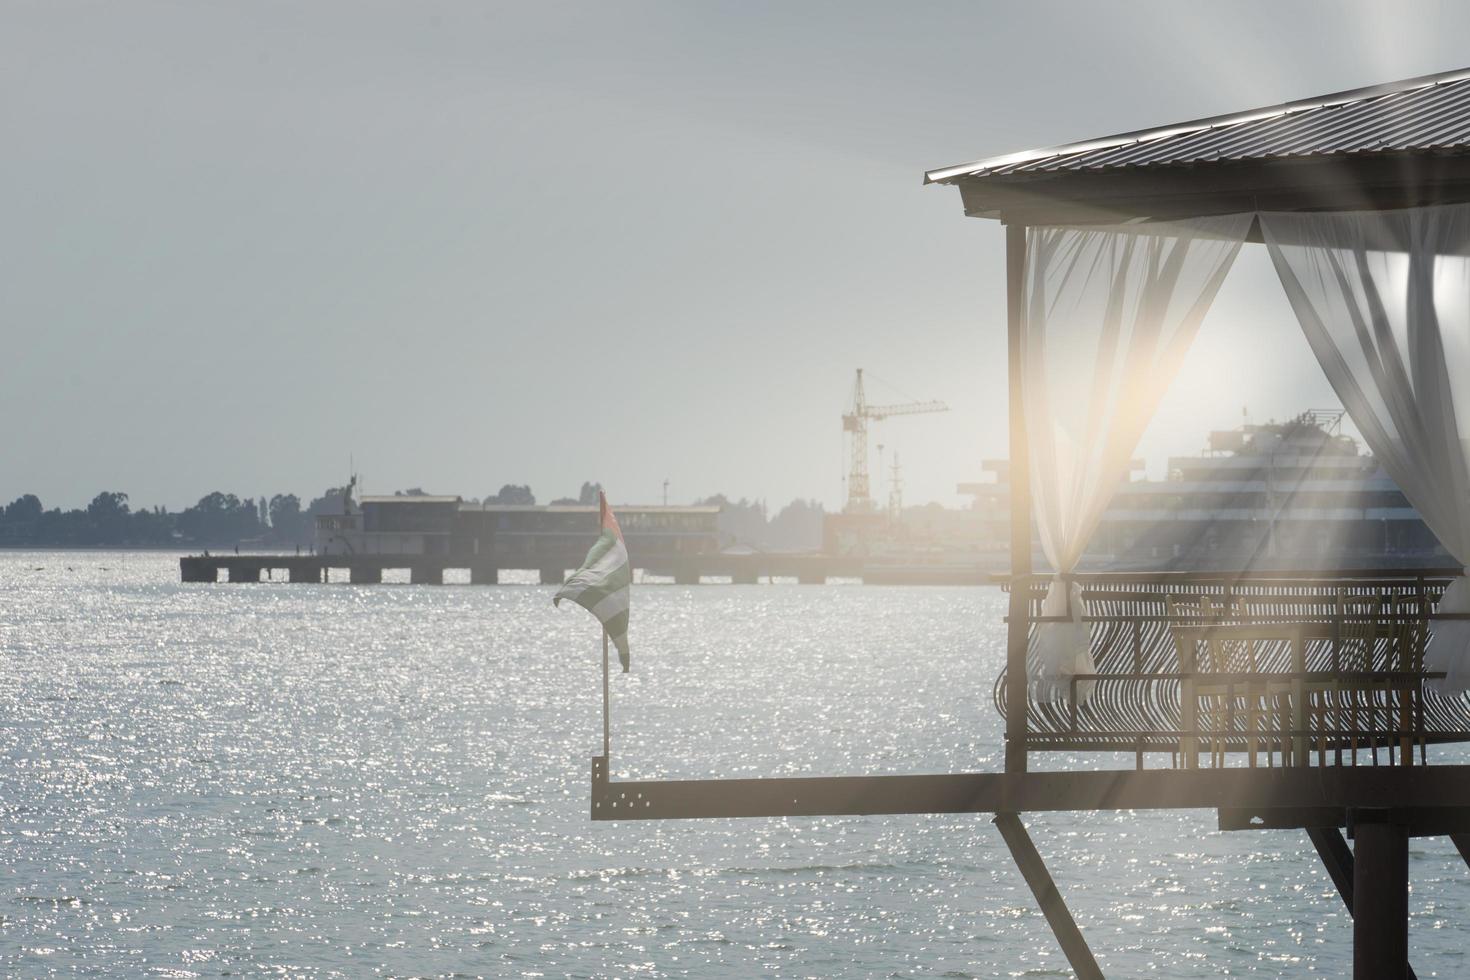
point(1033, 869)
point(1337, 858)
point(1462, 844)
point(1380, 897)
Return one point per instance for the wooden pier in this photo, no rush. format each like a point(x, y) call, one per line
point(807, 569)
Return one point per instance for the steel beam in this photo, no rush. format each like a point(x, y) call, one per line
point(1033, 869)
point(1337, 858)
point(1426, 821)
point(1436, 789)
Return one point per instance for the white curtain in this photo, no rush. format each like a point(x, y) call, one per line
point(1110, 312)
point(1384, 299)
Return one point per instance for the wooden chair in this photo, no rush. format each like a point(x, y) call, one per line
point(1221, 656)
point(1406, 693)
point(1383, 636)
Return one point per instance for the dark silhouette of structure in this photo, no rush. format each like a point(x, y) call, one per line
point(1282, 698)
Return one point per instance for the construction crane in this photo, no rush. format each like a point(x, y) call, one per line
point(855, 423)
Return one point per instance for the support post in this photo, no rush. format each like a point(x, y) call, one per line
point(305, 572)
point(1380, 896)
point(1033, 869)
point(423, 573)
point(363, 574)
point(1462, 844)
point(1018, 631)
point(606, 705)
point(196, 569)
point(1337, 858)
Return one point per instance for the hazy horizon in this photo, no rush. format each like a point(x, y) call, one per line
point(469, 245)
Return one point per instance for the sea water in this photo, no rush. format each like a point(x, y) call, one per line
point(393, 780)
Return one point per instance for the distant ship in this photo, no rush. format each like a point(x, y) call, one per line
point(1290, 495)
point(1298, 494)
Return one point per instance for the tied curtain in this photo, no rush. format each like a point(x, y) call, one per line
point(1384, 300)
point(1109, 312)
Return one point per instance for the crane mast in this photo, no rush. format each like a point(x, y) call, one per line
point(855, 424)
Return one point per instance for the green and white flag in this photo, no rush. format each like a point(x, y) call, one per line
point(602, 584)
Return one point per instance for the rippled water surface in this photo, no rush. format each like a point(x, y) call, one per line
point(200, 780)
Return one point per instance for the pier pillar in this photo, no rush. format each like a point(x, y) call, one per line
point(305, 573)
point(812, 578)
point(197, 570)
point(1380, 896)
point(484, 575)
point(244, 573)
point(686, 575)
point(744, 575)
point(365, 575)
point(553, 576)
point(426, 575)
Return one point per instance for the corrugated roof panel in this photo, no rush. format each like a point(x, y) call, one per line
point(1431, 112)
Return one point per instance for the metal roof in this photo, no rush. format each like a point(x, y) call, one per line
point(1430, 112)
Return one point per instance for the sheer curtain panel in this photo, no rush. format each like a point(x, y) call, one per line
point(1110, 312)
point(1384, 300)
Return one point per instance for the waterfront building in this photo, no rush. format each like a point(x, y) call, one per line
point(509, 535)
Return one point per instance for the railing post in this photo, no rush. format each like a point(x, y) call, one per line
point(1299, 755)
point(1186, 654)
point(1019, 628)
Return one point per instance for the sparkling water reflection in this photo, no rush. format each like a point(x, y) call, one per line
point(347, 781)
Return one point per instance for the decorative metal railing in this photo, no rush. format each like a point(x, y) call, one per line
point(1288, 668)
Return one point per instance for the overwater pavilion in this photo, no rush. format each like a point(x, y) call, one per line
point(1283, 699)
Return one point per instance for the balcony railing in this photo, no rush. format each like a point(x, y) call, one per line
point(1260, 669)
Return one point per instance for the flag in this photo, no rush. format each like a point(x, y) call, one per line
point(602, 584)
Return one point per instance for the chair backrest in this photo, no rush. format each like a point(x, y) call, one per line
point(1406, 649)
point(1227, 656)
point(1360, 631)
point(1192, 606)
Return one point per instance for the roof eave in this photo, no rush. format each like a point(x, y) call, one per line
point(1345, 182)
point(945, 175)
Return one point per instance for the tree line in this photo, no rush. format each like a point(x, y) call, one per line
point(225, 520)
point(218, 519)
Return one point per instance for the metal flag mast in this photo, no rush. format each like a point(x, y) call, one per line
point(602, 586)
point(606, 703)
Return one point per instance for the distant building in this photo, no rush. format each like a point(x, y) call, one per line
point(509, 535)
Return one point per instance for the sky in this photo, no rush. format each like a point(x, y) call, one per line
point(245, 246)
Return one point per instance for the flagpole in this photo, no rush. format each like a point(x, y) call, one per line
point(606, 713)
